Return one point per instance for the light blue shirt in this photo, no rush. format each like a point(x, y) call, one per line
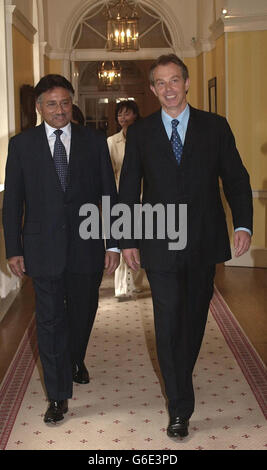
point(183, 119)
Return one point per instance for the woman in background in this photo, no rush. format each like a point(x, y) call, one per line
point(127, 282)
point(77, 115)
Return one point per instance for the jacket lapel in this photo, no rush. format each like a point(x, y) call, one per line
point(42, 142)
point(160, 138)
point(190, 138)
point(73, 151)
point(164, 145)
point(75, 154)
point(48, 169)
point(47, 159)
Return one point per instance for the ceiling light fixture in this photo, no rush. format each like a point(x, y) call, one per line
point(122, 26)
point(109, 74)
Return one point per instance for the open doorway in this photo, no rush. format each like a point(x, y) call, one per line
point(98, 103)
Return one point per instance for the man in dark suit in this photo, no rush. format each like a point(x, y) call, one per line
point(53, 170)
point(179, 153)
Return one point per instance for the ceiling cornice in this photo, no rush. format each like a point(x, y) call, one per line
point(15, 17)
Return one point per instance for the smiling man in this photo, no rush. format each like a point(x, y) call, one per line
point(55, 107)
point(170, 85)
point(178, 154)
point(51, 171)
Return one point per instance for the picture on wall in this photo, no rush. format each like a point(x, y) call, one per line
point(28, 116)
point(212, 85)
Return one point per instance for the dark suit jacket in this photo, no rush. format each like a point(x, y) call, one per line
point(49, 237)
point(209, 153)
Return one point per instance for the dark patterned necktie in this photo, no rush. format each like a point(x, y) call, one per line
point(60, 159)
point(177, 145)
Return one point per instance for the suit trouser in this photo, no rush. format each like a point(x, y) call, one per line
point(65, 313)
point(181, 302)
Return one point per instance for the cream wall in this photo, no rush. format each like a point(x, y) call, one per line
point(204, 67)
point(239, 62)
point(247, 58)
point(247, 104)
point(215, 67)
point(52, 66)
point(200, 81)
point(23, 68)
point(193, 93)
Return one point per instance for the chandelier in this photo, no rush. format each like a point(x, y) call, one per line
point(109, 74)
point(122, 26)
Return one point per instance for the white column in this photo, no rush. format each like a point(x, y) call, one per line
point(10, 72)
point(4, 129)
point(75, 80)
point(39, 43)
point(66, 68)
point(36, 46)
point(8, 282)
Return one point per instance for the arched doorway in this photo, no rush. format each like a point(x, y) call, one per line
point(86, 47)
point(155, 20)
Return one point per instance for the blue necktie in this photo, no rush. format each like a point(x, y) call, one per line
point(60, 159)
point(177, 145)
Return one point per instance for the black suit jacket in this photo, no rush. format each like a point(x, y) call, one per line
point(41, 222)
point(209, 153)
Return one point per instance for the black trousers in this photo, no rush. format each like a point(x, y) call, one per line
point(181, 302)
point(65, 313)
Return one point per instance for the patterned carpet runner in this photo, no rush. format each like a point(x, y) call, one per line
point(123, 406)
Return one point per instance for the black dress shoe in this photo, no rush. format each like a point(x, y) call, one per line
point(80, 374)
point(55, 411)
point(178, 427)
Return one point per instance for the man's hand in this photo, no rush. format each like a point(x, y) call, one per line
point(242, 240)
point(112, 261)
point(16, 264)
point(132, 258)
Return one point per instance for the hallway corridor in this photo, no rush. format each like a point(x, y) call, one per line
point(123, 407)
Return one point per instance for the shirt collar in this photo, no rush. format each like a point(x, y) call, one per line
point(182, 117)
point(50, 130)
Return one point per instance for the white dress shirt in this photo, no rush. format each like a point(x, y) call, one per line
point(65, 138)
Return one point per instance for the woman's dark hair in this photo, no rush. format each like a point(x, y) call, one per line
point(77, 115)
point(127, 104)
point(48, 82)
